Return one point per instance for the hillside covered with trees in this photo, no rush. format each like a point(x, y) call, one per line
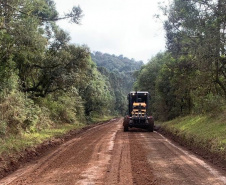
point(119, 71)
point(190, 77)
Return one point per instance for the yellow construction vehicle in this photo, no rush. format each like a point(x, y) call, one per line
point(137, 115)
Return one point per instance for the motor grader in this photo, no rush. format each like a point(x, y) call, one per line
point(138, 112)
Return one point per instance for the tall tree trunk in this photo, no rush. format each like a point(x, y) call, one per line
point(217, 61)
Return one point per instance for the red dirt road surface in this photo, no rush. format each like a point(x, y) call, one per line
point(106, 155)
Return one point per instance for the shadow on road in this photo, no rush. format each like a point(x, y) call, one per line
point(137, 130)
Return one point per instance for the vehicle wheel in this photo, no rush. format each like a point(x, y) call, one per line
point(126, 128)
point(151, 127)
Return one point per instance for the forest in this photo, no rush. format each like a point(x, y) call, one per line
point(190, 76)
point(47, 81)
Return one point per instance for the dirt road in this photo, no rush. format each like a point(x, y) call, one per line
point(107, 155)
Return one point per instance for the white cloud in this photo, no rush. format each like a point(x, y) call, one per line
point(117, 26)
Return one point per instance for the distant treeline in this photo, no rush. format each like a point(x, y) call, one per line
point(119, 71)
point(45, 80)
point(190, 77)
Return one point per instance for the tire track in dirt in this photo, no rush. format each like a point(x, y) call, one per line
point(119, 169)
point(142, 171)
point(106, 155)
point(71, 162)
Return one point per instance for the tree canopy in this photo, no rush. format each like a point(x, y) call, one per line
point(119, 71)
point(47, 80)
point(191, 76)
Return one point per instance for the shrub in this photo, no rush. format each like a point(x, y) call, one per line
point(19, 113)
point(209, 104)
point(3, 128)
point(64, 108)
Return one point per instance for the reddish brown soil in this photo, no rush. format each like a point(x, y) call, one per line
point(213, 157)
point(9, 164)
point(106, 155)
point(142, 171)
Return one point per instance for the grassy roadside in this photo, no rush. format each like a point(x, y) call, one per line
point(16, 143)
point(206, 133)
point(101, 119)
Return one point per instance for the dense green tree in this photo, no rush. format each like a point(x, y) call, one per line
point(148, 80)
point(116, 63)
point(197, 28)
point(116, 89)
point(190, 77)
point(44, 78)
point(30, 41)
point(119, 71)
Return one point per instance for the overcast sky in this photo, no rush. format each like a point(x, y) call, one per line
point(126, 27)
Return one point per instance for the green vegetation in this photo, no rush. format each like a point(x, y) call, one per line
point(99, 119)
point(206, 132)
point(190, 77)
point(17, 143)
point(48, 85)
point(187, 83)
point(119, 71)
point(116, 63)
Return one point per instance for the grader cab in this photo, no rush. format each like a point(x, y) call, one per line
point(138, 112)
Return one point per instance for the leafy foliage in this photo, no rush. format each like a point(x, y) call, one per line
point(204, 40)
point(190, 76)
point(45, 80)
point(119, 71)
point(116, 63)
